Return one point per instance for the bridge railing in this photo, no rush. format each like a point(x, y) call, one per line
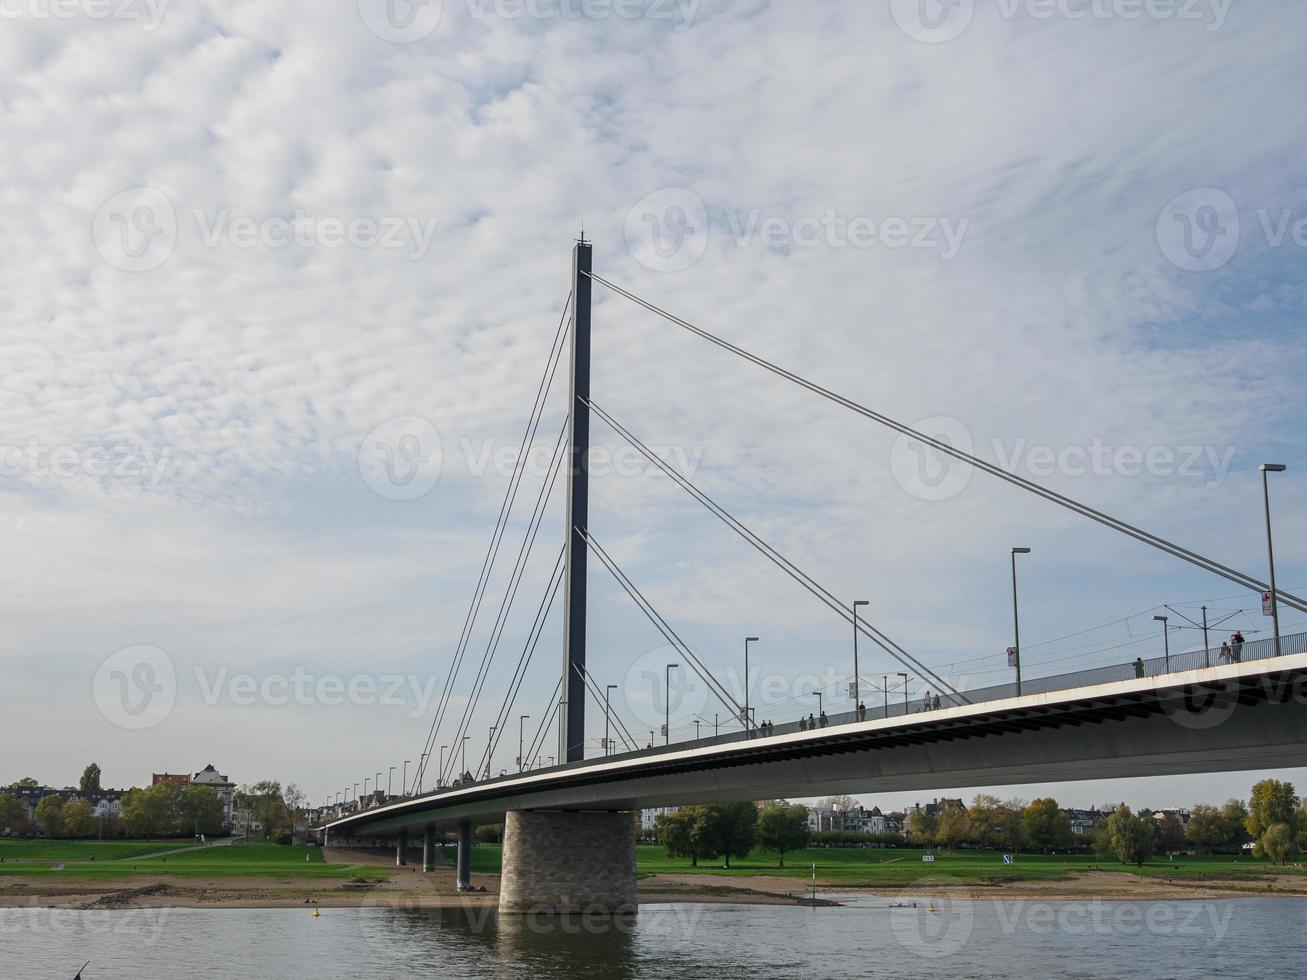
point(1254, 650)
point(1263, 649)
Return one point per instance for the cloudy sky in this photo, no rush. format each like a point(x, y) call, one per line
point(281, 280)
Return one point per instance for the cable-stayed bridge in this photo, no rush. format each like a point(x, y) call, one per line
point(568, 843)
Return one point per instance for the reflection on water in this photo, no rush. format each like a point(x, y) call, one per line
point(946, 939)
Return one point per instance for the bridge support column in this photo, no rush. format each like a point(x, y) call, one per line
point(401, 850)
point(465, 856)
point(429, 850)
point(563, 863)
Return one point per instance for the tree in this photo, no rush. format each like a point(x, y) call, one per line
point(90, 782)
point(783, 827)
point(12, 814)
point(1132, 837)
point(688, 833)
point(79, 820)
point(737, 829)
point(1045, 825)
point(921, 828)
point(989, 821)
point(153, 812)
point(27, 782)
point(1206, 829)
point(1170, 833)
point(953, 828)
point(1234, 817)
point(198, 811)
point(50, 815)
point(1271, 802)
point(1277, 843)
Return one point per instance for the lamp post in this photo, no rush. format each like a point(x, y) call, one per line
point(376, 787)
point(440, 773)
point(490, 748)
point(820, 709)
point(404, 779)
point(857, 689)
point(884, 687)
point(667, 703)
point(1166, 641)
point(365, 785)
point(1270, 548)
point(696, 729)
point(1016, 620)
point(748, 717)
point(422, 770)
point(610, 687)
point(389, 780)
point(905, 691)
point(462, 751)
point(521, 720)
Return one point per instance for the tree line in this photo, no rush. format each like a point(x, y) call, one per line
point(1273, 820)
point(158, 811)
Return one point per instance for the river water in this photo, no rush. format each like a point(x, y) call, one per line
point(1249, 938)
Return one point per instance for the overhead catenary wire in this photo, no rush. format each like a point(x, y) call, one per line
point(1147, 537)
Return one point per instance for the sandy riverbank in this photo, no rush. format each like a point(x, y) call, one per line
point(411, 889)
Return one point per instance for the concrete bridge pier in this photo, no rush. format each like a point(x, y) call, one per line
point(564, 863)
point(429, 850)
point(465, 856)
point(401, 850)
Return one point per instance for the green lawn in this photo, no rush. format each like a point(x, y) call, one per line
point(262, 860)
point(901, 866)
point(81, 850)
point(846, 866)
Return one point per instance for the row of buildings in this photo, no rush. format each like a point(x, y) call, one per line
point(861, 820)
point(108, 803)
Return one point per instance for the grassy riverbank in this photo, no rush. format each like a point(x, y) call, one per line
point(266, 875)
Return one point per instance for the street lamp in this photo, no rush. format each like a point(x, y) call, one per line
point(490, 748)
point(462, 764)
point(1016, 621)
point(884, 689)
point(820, 710)
point(390, 778)
point(857, 690)
point(440, 773)
point(905, 691)
point(610, 687)
point(404, 779)
point(1270, 549)
point(521, 720)
point(365, 786)
point(748, 718)
point(1166, 641)
point(667, 703)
